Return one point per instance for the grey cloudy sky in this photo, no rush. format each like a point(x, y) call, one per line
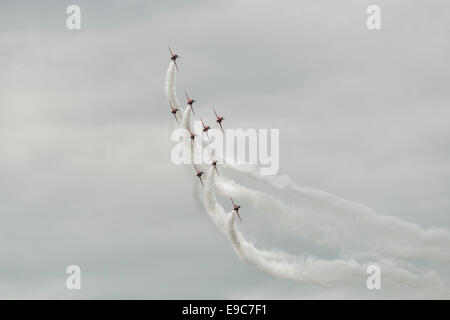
point(85, 171)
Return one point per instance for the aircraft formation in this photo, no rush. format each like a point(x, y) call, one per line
point(190, 102)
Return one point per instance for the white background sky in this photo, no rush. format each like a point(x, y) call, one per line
point(85, 171)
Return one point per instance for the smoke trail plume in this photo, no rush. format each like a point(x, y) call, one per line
point(307, 268)
point(380, 233)
point(170, 90)
point(399, 239)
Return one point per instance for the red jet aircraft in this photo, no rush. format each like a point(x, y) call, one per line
point(214, 164)
point(205, 129)
point(236, 208)
point(174, 58)
point(192, 136)
point(190, 102)
point(198, 173)
point(174, 111)
point(219, 119)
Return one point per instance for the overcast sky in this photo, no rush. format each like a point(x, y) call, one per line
point(85, 170)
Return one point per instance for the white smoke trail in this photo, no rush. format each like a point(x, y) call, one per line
point(187, 143)
point(307, 268)
point(170, 90)
point(283, 265)
point(380, 233)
